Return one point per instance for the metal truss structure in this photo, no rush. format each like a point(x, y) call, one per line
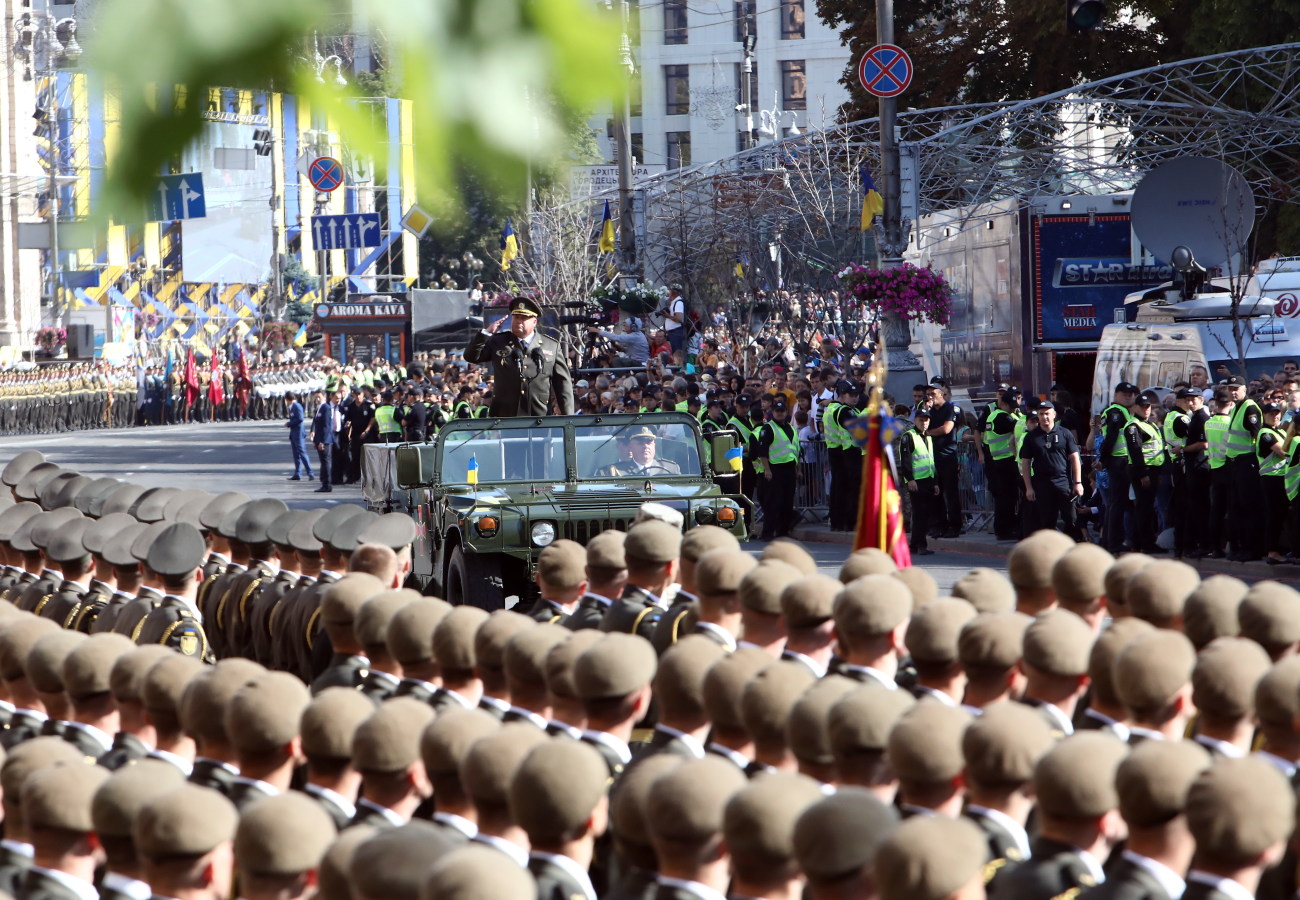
point(789, 212)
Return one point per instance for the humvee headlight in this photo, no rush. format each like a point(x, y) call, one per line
point(727, 516)
point(487, 526)
point(703, 515)
point(543, 534)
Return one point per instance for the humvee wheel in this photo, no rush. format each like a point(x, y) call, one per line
point(470, 584)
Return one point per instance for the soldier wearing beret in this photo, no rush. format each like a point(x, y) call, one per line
point(1223, 693)
point(931, 859)
point(1153, 675)
point(443, 747)
point(765, 708)
point(475, 873)
point(567, 714)
point(606, 571)
point(203, 711)
point(454, 647)
point(136, 736)
point(185, 838)
point(932, 638)
point(29, 715)
point(113, 812)
point(989, 650)
point(328, 726)
point(487, 773)
point(651, 549)
point(56, 804)
point(870, 616)
point(806, 607)
point(340, 604)
point(558, 798)
point(279, 844)
point(760, 605)
point(410, 642)
point(718, 576)
point(683, 723)
point(45, 673)
point(681, 615)
point(386, 751)
point(925, 752)
point(176, 555)
point(685, 813)
point(1241, 813)
point(1055, 664)
point(836, 841)
point(525, 665)
point(87, 670)
point(490, 642)
point(371, 630)
point(528, 367)
point(612, 678)
point(561, 582)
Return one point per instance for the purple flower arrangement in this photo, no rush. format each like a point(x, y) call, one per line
point(907, 291)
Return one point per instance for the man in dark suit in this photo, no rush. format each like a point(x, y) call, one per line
point(323, 437)
point(528, 366)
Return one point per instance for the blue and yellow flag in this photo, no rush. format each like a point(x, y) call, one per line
point(509, 246)
point(471, 476)
point(300, 339)
point(872, 203)
point(735, 458)
point(607, 239)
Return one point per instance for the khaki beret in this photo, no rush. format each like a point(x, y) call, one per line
point(1277, 696)
point(792, 553)
point(475, 872)
point(1270, 614)
point(330, 722)
point(839, 835)
point(925, 744)
point(1153, 781)
point(653, 541)
point(1118, 575)
point(343, 599)
point(1106, 649)
point(453, 639)
point(1152, 668)
point(118, 800)
point(1211, 610)
point(394, 862)
point(492, 636)
point(993, 640)
point(556, 789)
point(186, 821)
point(334, 867)
point(871, 606)
point(165, 683)
point(1158, 591)
point(703, 539)
point(26, 758)
point(126, 681)
point(16, 641)
point(987, 590)
point(448, 737)
point(627, 801)
point(526, 652)
point(679, 680)
point(1075, 780)
point(614, 666)
point(765, 706)
point(410, 630)
point(60, 795)
point(283, 835)
point(1238, 808)
point(807, 732)
point(1057, 642)
point(563, 657)
point(1225, 675)
point(389, 739)
point(758, 821)
point(920, 582)
point(86, 670)
point(605, 550)
point(1002, 745)
point(370, 626)
point(489, 767)
point(930, 858)
point(860, 721)
point(44, 664)
point(203, 707)
point(722, 571)
point(687, 804)
point(1030, 562)
point(1079, 575)
point(724, 685)
point(808, 602)
point(933, 633)
point(760, 589)
point(867, 561)
point(563, 564)
point(266, 713)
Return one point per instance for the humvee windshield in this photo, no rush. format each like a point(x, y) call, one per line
point(632, 451)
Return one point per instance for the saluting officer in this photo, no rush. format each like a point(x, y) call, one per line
point(528, 366)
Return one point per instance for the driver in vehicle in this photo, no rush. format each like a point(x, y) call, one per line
point(642, 460)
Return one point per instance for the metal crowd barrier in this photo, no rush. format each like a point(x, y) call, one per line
point(976, 500)
point(814, 482)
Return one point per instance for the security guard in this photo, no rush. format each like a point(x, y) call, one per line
point(778, 449)
point(917, 472)
point(845, 456)
point(1145, 448)
point(1113, 457)
point(1245, 498)
point(385, 423)
point(1216, 452)
point(1270, 449)
point(1002, 431)
point(740, 421)
point(1191, 501)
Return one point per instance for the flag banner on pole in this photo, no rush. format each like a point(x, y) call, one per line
point(471, 475)
point(872, 203)
point(509, 246)
point(607, 237)
point(880, 508)
point(300, 339)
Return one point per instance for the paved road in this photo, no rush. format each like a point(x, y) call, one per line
point(254, 457)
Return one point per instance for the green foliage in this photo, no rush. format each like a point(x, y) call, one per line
point(297, 312)
point(295, 275)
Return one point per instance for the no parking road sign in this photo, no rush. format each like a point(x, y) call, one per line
point(885, 70)
point(325, 173)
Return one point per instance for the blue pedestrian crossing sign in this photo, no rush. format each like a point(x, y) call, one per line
point(178, 197)
point(349, 232)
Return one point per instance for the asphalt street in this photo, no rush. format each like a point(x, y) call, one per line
point(254, 457)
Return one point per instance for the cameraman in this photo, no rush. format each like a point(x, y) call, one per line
point(633, 345)
point(675, 319)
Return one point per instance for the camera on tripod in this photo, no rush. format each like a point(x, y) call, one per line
point(596, 312)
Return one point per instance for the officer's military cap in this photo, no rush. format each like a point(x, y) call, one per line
point(930, 858)
point(65, 546)
point(1004, 743)
point(88, 667)
point(525, 306)
point(492, 636)
point(48, 487)
point(562, 564)
point(807, 731)
point(7, 500)
point(686, 804)
point(489, 767)
point(389, 739)
point(219, 507)
point(410, 630)
point(1186, 393)
point(1117, 578)
point(1153, 781)
point(346, 535)
point(37, 532)
point(117, 549)
point(228, 526)
point(653, 542)
point(563, 658)
point(28, 486)
point(768, 699)
point(1238, 808)
point(1270, 615)
point(792, 553)
point(1211, 610)
point(725, 682)
point(16, 641)
point(1224, 678)
point(187, 821)
point(373, 618)
point(283, 835)
point(265, 713)
point(526, 651)
point(933, 633)
point(395, 862)
point(301, 536)
point(14, 517)
point(256, 517)
point(118, 800)
point(334, 875)
point(761, 588)
point(91, 500)
point(163, 688)
point(1079, 575)
point(342, 601)
point(987, 590)
point(1277, 695)
point(1057, 642)
point(556, 788)
point(446, 740)
point(1075, 780)
point(20, 465)
point(861, 719)
point(703, 538)
point(121, 499)
point(278, 531)
point(758, 821)
point(1157, 592)
point(605, 550)
point(1152, 668)
point(145, 539)
point(44, 665)
point(474, 872)
point(721, 571)
point(614, 666)
point(150, 506)
point(679, 680)
point(871, 606)
point(187, 505)
point(840, 835)
point(177, 549)
point(1106, 649)
point(60, 796)
point(920, 582)
point(203, 706)
point(393, 530)
point(126, 681)
point(100, 531)
point(653, 510)
point(1125, 387)
point(809, 601)
point(453, 639)
point(330, 722)
point(69, 490)
point(925, 743)
point(1029, 565)
point(993, 640)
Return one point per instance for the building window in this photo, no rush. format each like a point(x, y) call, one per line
point(792, 20)
point(634, 93)
point(674, 21)
point(638, 147)
point(746, 19)
point(794, 84)
point(679, 149)
point(677, 90)
point(740, 84)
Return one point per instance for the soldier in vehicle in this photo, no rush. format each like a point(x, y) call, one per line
point(642, 459)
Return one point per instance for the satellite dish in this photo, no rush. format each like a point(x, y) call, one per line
point(1202, 204)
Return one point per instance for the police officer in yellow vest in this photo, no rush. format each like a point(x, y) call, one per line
point(1000, 439)
point(1173, 428)
point(916, 468)
point(1113, 457)
point(1245, 499)
point(1216, 451)
point(385, 422)
point(1271, 453)
point(1145, 446)
point(845, 457)
point(740, 421)
point(1191, 464)
point(778, 449)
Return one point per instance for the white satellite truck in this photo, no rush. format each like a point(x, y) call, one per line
point(1197, 213)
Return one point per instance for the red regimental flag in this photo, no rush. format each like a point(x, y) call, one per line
point(880, 509)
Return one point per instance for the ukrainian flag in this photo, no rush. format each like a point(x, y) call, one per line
point(735, 458)
point(300, 339)
point(509, 246)
point(872, 203)
point(471, 476)
point(607, 239)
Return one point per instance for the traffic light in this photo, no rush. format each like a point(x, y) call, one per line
point(1083, 15)
point(262, 141)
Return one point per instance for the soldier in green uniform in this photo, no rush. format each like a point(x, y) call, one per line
point(681, 616)
point(606, 573)
point(176, 554)
point(651, 550)
point(561, 581)
point(554, 797)
point(340, 604)
point(87, 676)
point(233, 610)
